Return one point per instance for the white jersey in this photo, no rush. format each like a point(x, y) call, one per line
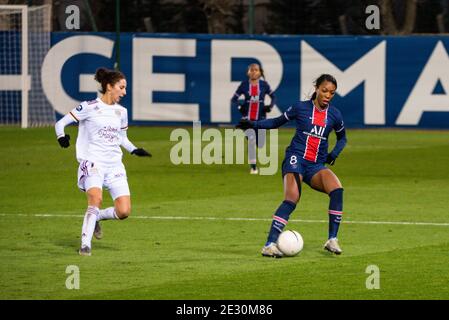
point(99, 131)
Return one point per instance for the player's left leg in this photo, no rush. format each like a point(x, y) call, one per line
point(261, 138)
point(119, 190)
point(252, 152)
point(122, 206)
point(117, 184)
point(326, 181)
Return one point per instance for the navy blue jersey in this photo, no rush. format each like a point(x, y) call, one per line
point(312, 129)
point(254, 98)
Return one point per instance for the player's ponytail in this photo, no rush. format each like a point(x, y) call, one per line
point(105, 76)
point(321, 79)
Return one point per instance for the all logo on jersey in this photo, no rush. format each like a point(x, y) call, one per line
point(79, 108)
point(317, 130)
point(254, 99)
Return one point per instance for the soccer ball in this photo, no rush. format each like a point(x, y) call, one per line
point(290, 243)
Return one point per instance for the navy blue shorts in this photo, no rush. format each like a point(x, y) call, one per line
point(294, 163)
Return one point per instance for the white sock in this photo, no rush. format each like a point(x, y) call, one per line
point(89, 225)
point(107, 214)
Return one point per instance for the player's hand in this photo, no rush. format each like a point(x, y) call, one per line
point(268, 108)
point(64, 141)
point(141, 152)
point(330, 159)
point(245, 124)
point(243, 110)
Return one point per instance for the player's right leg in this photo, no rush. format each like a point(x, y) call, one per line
point(90, 180)
point(292, 173)
point(292, 183)
point(94, 199)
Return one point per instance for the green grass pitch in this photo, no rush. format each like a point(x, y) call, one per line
point(185, 238)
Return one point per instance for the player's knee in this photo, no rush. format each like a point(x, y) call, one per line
point(123, 212)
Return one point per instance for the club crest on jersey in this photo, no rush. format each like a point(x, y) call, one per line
point(118, 113)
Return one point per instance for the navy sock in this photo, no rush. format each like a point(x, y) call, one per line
point(335, 211)
point(253, 166)
point(280, 220)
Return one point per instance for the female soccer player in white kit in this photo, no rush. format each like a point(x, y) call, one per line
point(102, 130)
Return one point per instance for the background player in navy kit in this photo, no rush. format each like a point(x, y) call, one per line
point(253, 108)
point(305, 158)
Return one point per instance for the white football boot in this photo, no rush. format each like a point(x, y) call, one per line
point(272, 250)
point(331, 245)
point(84, 251)
point(254, 171)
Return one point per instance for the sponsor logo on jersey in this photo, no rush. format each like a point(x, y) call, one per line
point(317, 130)
point(109, 133)
point(254, 99)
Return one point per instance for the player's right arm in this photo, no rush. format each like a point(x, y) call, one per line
point(274, 123)
point(235, 100)
point(75, 115)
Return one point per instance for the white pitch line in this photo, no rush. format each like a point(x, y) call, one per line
point(441, 224)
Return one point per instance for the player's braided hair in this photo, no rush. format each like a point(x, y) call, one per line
point(105, 76)
point(321, 79)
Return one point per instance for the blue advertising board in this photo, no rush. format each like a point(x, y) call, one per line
point(177, 79)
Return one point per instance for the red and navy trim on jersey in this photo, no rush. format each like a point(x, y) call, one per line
point(253, 111)
point(319, 119)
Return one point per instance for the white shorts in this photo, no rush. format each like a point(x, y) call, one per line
point(112, 178)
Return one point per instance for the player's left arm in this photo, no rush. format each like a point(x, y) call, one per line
point(272, 97)
point(126, 143)
point(341, 141)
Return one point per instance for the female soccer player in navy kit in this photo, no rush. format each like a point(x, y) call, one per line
point(102, 130)
point(305, 159)
point(254, 108)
